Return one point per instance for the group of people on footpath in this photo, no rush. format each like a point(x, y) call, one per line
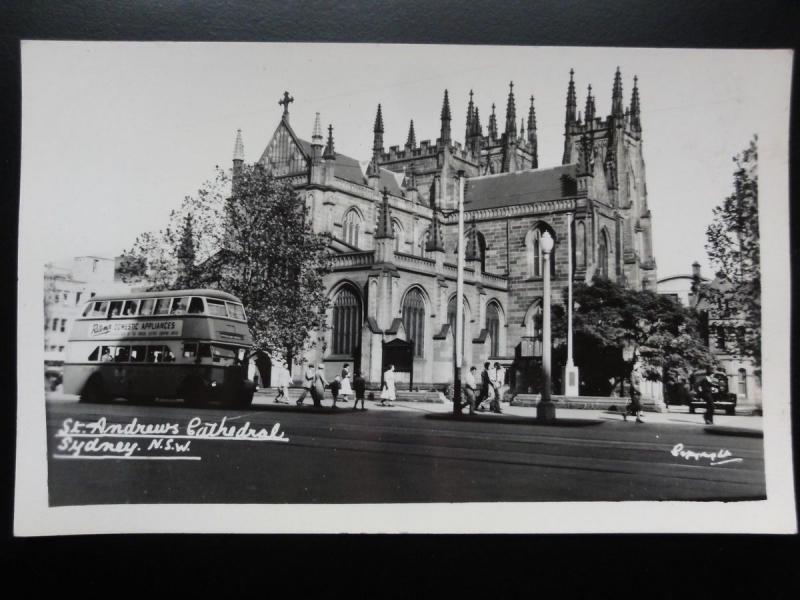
point(491, 388)
point(314, 385)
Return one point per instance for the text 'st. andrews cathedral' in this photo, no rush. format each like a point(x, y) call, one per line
point(393, 228)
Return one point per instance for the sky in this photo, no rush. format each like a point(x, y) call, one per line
point(115, 135)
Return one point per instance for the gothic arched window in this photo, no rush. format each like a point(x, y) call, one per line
point(580, 244)
point(351, 228)
point(533, 243)
point(493, 327)
point(414, 320)
point(399, 236)
point(482, 249)
point(346, 325)
point(423, 244)
point(533, 326)
point(742, 383)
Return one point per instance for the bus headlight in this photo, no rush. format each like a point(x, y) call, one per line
point(213, 384)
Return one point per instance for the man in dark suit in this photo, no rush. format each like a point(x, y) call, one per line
point(486, 387)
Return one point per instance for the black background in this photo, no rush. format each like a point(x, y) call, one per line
point(600, 566)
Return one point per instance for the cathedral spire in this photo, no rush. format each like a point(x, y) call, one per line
point(377, 143)
point(590, 107)
point(411, 141)
point(532, 137)
point(445, 131)
point(385, 229)
point(617, 110)
point(635, 109)
point(572, 101)
point(511, 114)
point(330, 153)
point(377, 146)
point(238, 147)
point(469, 131)
point(493, 125)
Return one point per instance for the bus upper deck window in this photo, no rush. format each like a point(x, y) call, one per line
point(138, 353)
point(146, 308)
point(162, 306)
point(235, 311)
point(116, 309)
point(100, 309)
point(130, 308)
point(196, 306)
point(89, 306)
point(216, 308)
point(179, 306)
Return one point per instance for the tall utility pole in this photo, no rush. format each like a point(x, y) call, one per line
point(459, 333)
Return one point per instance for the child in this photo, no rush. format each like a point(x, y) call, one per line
point(336, 384)
point(359, 387)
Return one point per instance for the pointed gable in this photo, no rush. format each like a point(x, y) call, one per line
point(285, 154)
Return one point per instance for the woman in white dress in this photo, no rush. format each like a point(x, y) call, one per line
point(388, 392)
point(346, 389)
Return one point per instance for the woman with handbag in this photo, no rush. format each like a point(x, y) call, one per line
point(345, 390)
point(388, 391)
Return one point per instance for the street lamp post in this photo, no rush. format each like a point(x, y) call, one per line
point(546, 409)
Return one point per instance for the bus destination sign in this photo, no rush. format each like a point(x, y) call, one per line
point(129, 328)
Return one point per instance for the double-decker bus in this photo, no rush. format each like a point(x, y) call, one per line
point(188, 344)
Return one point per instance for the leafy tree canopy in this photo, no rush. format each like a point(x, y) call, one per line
point(250, 237)
point(733, 245)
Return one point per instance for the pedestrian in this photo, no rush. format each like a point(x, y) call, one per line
point(486, 387)
point(345, 390)
point(283, 387)
point(318, 390)
point(308, 384)
point(388, 391)
point(705, 393)
point(335, 386)
point(359, 386)
point(635, 406)
point(497, 384)
point(500, 376)
point(470, 388)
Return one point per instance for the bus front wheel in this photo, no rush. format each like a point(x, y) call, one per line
point(93, 392)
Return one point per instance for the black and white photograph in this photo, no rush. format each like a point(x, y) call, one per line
point(300, 287)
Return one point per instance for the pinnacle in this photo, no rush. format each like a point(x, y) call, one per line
point(238, 146)
point(378, 121)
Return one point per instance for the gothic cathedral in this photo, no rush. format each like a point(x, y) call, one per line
point(393, 229)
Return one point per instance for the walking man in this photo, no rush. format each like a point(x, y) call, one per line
point(308, 384)
point(705, 393)
point(486, 386)
point(470, 388)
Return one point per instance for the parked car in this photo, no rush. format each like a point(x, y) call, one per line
point(723, 399)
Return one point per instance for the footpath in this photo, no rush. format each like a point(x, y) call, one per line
point(679, 415)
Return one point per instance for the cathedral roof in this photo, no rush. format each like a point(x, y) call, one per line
point(521, 187)
point(349, 169)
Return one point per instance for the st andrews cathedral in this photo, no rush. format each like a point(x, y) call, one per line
point(393, 229)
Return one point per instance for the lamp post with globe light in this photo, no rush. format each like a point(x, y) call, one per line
point(546, 409)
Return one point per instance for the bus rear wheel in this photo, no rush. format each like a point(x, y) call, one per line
point(93, 392)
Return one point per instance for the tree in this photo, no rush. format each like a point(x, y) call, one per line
point(607, 316)
point(733, 245)
point(251, 239)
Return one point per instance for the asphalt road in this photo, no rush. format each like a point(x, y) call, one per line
point(409, 454)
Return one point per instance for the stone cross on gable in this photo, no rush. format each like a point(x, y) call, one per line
point(285, 103)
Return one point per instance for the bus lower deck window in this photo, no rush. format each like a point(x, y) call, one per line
point(123, 354)
point(189, 350)
point(138, 353)
point(95, 353)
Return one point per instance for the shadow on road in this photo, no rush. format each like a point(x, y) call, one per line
point(513, 420)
